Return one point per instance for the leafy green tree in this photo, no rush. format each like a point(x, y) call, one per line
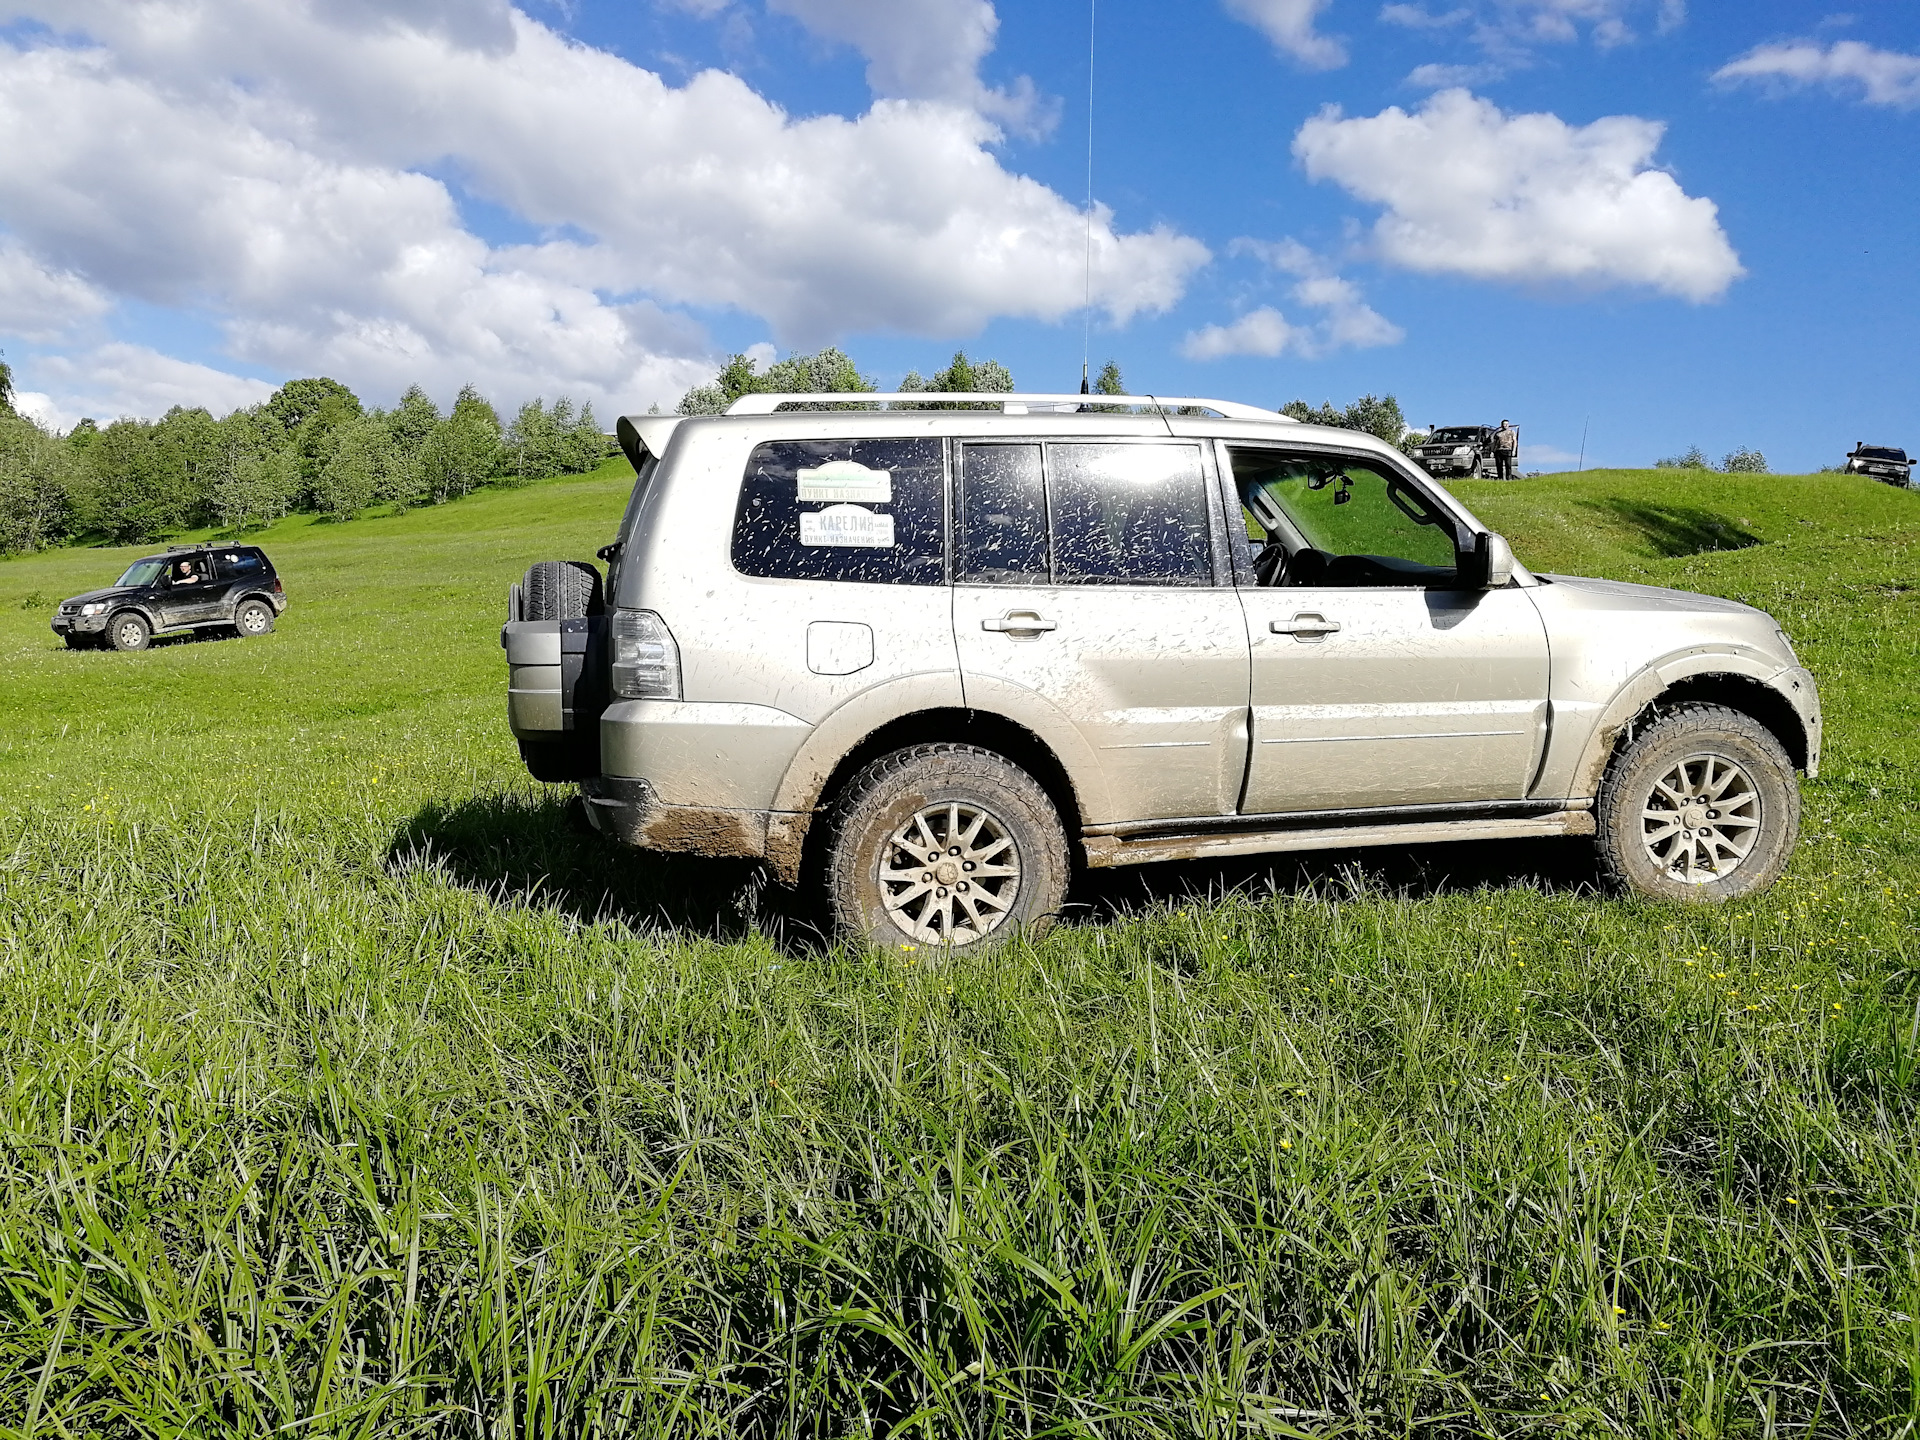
point(585, 446)
point(828, 371)
point(255, 488)
point(189, 444)
point(471, 405)
point(961, 376)
point(6, 388)
point(295, 404)
point(1692, 458)
point(83, 434)
point(534, 442)
point(460, 454)
point(1109, 381)
point(133, 488)
point(1744, 462)
point(357, 468)
point(412, 421)
point(37, 475)
point(1377, 415)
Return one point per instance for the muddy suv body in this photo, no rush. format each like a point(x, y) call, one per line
point(1888, 463)
point(189, 587)
point(1458, 450)
point(931, 660)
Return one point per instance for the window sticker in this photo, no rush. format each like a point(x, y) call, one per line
point(846, 480)
point(851, 525)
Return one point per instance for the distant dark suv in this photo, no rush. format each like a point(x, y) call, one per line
point(191, 587)
point(1882, 462)
point(1457, 450)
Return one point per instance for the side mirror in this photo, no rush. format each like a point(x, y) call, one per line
point(1492, 562)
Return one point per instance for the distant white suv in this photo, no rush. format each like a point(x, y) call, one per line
point(932, 659)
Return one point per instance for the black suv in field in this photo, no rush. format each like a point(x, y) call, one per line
point(1882, 462)
point(191, 587)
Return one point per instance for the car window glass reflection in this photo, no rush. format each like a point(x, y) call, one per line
point(1325, 520)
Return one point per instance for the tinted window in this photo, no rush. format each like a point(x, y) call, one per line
point(1129, 515)
point(1329, 520)
point(236, 564)
point(1003, 531)
point(861, 510)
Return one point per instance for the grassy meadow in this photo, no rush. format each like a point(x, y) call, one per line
point(350, 1090)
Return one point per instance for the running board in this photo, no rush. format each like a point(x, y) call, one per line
point(1146, 845)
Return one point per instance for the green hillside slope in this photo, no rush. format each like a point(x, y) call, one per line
point(351, 1090)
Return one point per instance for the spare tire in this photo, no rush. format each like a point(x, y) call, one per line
point(561, 590)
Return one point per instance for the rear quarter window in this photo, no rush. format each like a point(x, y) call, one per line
point(867, 511)
point(240, 563)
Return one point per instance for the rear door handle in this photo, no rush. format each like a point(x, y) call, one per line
point(1020, 622)
point(1304, 627)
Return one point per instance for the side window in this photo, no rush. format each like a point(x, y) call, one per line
point(238, 564)
point(872, 511)
point(189, 570)
point(1340, 521)
point(1003, 524)
point(1129, 515)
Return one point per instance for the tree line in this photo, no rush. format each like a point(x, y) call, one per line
point(313, 446)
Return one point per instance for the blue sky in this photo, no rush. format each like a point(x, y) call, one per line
point(1660, 224)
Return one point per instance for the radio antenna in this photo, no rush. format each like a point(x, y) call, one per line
point(1086, 331)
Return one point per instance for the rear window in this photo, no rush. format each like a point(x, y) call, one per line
point(867, 511)
point(238, 564)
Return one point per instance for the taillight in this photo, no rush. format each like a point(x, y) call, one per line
point(276, 586)
point(646, 660)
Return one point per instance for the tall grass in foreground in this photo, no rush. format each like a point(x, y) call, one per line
point(293, 1140)
point(351, 1092)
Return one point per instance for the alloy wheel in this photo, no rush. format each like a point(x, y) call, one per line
point(1701, 820)
point(950, 875)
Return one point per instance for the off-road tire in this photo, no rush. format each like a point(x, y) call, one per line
point(252, 618)
point(1683, 734)
point(128, 631)
point(560, 590)
point(882, 801)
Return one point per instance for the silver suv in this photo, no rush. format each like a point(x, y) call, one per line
point(932, 659)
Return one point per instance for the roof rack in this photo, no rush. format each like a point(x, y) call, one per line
point(1009, 404)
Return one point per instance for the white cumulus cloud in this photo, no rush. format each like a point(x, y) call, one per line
point(295, 172)
point(1342, 318)
point(38, 302)
point(1469, 190)
point(1289, 24)
point(115, 379)
point(1880, 77)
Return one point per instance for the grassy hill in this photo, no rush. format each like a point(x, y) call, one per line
point(349, 1085)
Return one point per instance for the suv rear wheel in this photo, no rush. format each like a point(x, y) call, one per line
point(254, 617)
point(1701, 806)
point(944, 845)
point(129, 632)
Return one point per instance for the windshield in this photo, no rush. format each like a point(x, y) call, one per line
point(141, 572)
point(1458, 432)
point(1882, 452)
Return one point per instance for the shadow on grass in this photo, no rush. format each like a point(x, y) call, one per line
point(541, 851)
point(1677, 530)
point(1413, 871)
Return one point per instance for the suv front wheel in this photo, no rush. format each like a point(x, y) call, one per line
point(1701, 805)
point(944, 845)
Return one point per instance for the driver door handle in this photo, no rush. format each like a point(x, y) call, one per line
point(1020, 622)
point(1304, 626)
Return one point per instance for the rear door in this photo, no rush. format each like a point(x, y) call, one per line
point(1092, 592)
point(1378, 681)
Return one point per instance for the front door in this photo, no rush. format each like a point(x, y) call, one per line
point(191, 594)
point(1378, 681)
point(1086, 596)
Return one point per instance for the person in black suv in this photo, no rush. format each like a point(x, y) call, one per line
point(193, 587)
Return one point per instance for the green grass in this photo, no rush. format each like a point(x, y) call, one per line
point(350, 1091)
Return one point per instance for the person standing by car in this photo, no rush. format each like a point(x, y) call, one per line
point(1506, 449)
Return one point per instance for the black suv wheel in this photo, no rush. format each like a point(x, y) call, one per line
point(947, 846)
point(253, 617)
point(127, 631)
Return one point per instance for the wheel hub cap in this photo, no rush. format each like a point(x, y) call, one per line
point(950, 875)
point(1701, 820)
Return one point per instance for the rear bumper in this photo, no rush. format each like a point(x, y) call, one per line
point(631, 812)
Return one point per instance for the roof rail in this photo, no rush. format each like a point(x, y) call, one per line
point(766, 403)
